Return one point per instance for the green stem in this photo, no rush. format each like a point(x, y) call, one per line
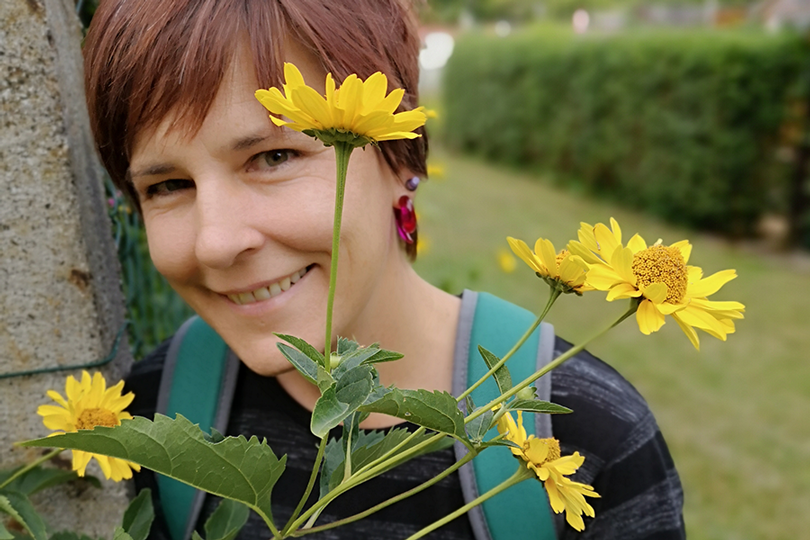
point(358, 479)
point(342, 153)
point(315, 468)
point(548, 367)
point(35, 463)
point(450, 470)
point(523, 473)
point(555, 293)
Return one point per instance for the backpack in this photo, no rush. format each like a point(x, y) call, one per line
point(199, 379)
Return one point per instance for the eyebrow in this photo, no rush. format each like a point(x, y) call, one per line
point(239, 145)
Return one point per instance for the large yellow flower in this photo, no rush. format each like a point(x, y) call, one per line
point(89, 404)
point(543, 457)
point(359, 112)
point(562, 269)
point(660, 278)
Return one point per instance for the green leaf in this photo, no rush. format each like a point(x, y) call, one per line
point(327, 413)
point(20, 508)
point(4, 534)
point(311, 352)
point(37, 479)
point(383, 355)
point(502, 377)
point(537, 406)
point(478, 427)
point(341, 399)
point(370, 445)
point(345, 346)
point(226, 521)
point(139, 515)
point(121, 534)
point(196, 536)
point(434, 410)
point(305, 365)
point(325, 379)
point(235, 468)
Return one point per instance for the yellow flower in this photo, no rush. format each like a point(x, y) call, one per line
point(660, 278)
point(543, 457)
point(436, 171)
point(89, 404)
point(562, 269)
point(359, 112)
point(506, 261)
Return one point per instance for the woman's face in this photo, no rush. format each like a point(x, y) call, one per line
point(239, 220)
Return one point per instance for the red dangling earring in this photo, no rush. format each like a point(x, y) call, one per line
point(405, 218)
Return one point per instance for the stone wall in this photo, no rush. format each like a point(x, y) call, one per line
point(60, 301)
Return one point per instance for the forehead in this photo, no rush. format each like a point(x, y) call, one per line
point(234, 116)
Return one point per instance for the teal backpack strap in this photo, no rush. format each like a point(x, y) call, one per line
point(522, 511)
point(198, 381)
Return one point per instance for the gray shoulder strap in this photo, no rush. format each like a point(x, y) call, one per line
point(545, 353)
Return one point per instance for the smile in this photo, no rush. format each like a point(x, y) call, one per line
point(265, 293)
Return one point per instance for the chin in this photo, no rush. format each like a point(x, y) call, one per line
point(265, 360)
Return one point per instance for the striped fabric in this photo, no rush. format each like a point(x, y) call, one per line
point(627, 460)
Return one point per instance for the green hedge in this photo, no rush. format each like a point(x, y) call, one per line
point(685, 125)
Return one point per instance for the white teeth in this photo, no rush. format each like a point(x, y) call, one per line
point(262, 294)
point(268, 292)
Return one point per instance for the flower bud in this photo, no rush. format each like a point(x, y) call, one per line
point(527, 393)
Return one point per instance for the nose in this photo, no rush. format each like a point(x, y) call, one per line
point(225, 228)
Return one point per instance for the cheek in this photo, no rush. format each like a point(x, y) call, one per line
point(171, 247)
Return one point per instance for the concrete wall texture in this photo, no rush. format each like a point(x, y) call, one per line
point(60, 301)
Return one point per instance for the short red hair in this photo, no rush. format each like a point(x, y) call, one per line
point(144, 59)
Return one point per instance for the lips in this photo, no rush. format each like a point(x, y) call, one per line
point(269, 291)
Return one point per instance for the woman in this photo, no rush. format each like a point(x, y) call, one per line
point(238, 216)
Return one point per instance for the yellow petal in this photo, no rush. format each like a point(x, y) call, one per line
point(622, 290)
point(579, 249)
point(605, 240)
point(374, 90)
point(710, 285)
point(649, 319)
point(571, 270)
point(292, 76)
point(307, 99)
point(688, 330)
point(622, 263)
point(685, 248)
point(521, 249)
point(80, 461)
point(656, 292)
point(548, 257)
point(603, 277)
point(617, 231)
point(637, 244)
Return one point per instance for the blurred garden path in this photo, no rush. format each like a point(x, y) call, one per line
point(734, 414)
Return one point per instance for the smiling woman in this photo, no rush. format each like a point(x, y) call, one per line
point(239, 209)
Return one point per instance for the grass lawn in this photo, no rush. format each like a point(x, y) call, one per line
point(734, 414)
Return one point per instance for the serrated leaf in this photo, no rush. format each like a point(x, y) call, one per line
point(352, 360)
point(139, 515)
point(307, 367)
point(478, 427)
point(537, 406)
point(327, 413)
point(121, 534)
point(370, 445)
point(37, 479)
point(345, 346)
point(502, 376)
point(20, 508)
point(226, 521)
point(355, 386)
point(235, 468)
point(434, 410)
point(311, 352)
point(4, 534)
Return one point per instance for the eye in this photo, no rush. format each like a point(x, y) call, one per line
point(272, 158)
point(168, 186)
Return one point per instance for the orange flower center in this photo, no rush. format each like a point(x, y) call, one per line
point(561, 257)
point(553, 446)
point(662, 264)
point(91, 418)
